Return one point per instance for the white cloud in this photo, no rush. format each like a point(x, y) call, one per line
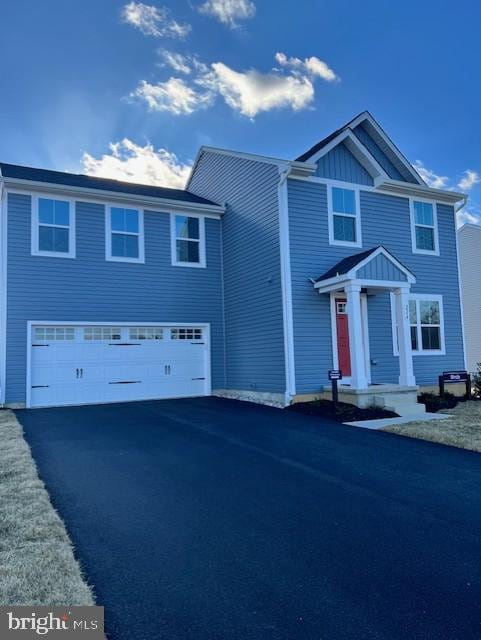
point(154, 21)
point(178, 62)
point(229, 11)
point(311, 66)
point(133, 163)
point(469, 179)
point(251, 92)
point(430, 178)
point(174, 96)
point(247, 92)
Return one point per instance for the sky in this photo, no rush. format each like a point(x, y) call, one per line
point(131, 90)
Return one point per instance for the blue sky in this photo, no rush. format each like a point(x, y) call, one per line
point(131, 90)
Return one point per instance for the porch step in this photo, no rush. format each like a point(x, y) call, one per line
point(402, 400)
point(403, 404)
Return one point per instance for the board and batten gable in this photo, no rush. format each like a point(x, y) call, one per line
point(385, 220)
point(251, 263)
point(340, 164)
point(88, 288)
point(469, 242)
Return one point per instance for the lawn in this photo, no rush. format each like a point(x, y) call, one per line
point(37, 564)
point(462, 430)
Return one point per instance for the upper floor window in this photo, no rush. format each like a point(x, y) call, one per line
point(188, 241)
point(124, 235)
point(344, 217)
point(53, 228)
point(424, 227)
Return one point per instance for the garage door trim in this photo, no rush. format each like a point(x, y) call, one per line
point(137, 323)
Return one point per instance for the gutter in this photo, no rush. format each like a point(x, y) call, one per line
point(409, 188)
point(102, 194)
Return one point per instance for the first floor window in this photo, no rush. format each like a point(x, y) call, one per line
point(426, 323)
point(53, 228)
point(125, 235)
point(424, 227)
point(188, 241)
point(344, 217)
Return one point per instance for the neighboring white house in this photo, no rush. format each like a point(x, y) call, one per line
point(469, 242)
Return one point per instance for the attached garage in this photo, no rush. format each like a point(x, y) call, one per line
point(71, 364)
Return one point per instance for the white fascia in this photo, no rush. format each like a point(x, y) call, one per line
point(101, 195)
point(398, 187)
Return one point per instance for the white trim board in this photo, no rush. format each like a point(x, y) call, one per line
point(111, 197)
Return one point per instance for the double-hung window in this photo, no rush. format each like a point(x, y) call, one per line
point(124, 235)
point(426, 323)
point(188, 241)
point(53, 228)
point(344, 217)
point(424, 227)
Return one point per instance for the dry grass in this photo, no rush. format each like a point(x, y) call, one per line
point(462, 430)
point(37, 565)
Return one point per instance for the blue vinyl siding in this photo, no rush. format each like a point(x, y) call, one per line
point(385, 220)
point(382, 156)
point(380, 268)
point(340, 164)
point(88, 288)
point(252, 280)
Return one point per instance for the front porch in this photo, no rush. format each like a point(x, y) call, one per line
point(349, 284)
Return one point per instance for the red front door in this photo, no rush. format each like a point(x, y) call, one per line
point(342, 328)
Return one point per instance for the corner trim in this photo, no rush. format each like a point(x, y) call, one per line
point(286, 285)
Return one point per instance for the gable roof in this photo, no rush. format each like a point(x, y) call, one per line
point(348, 266)
point(31, 174)
point(393, 156)
point(345, 265)
point(325, 141)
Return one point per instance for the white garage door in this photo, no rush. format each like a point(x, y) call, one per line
point(92, 364)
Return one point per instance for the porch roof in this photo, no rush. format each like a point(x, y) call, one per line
point(376, 264)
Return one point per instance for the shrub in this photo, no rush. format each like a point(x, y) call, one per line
point(476, 381)
point(435, 403)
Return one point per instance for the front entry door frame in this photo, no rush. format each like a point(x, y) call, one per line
point(340, 295)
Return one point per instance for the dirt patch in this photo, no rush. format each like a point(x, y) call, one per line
point(37, 564)
point(462, 430)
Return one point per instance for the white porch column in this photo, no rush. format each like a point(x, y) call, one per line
point(358, 369)
point(406, 372)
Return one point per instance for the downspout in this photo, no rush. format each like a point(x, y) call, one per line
point(286, 284)
point(460, 285)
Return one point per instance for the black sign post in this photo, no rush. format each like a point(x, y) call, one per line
point(334, 376)
point(455, 377)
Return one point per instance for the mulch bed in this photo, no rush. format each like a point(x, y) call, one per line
point(342, 412)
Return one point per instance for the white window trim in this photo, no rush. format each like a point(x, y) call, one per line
point(425, 252)
point(173, 241)
point(421, 352)
point(35, 223)
point(357, 217)
point(108, 235)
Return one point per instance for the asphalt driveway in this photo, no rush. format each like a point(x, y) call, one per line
point(210, 519)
